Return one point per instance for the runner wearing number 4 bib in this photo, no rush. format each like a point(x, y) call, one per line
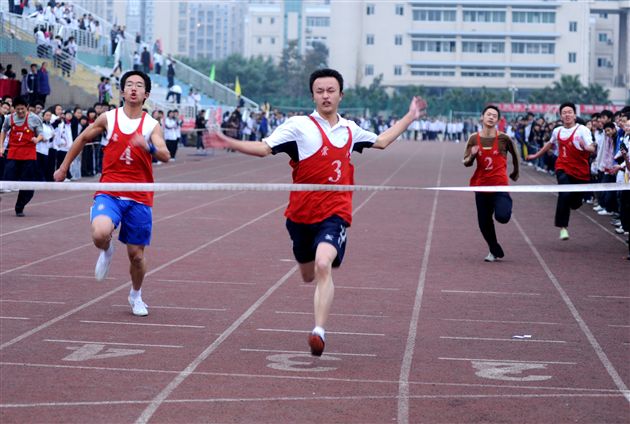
point(320, 147)
point(133, 139)
point(490, 147)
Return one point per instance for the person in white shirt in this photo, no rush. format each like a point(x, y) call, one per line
point(170, 133)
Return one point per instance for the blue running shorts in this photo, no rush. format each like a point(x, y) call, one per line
point(135, 219)
point(306, 237)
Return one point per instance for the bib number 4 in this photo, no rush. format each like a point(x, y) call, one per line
point(126, 156)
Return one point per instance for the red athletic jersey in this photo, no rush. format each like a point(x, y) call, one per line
point(125, 163)
point(20, 145)
point(571, 160)
point(329, 165)
point(491, 165)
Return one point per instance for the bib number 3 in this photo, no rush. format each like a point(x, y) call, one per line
point(337, 165)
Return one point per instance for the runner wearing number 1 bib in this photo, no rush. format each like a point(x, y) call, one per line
point(320, 147)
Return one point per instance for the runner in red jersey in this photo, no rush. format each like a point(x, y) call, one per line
point(320, 147)
point(25, 131)
point(133, 139)
point(575, 146)
point(489, 148)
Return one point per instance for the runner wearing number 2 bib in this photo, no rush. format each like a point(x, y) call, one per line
point(133, 139)
point(320, 147)
point(489, 148)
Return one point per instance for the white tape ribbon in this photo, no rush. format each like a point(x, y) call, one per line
point(96, 186)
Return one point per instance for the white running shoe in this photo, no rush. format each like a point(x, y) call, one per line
point(490, 258)
point(104, 261)
point(598, 208)
point(138, 307)
point(564, 234)
point(604, 212)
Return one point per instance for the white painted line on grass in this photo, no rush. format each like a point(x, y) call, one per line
point(109, 342)
point(490, 292)
point(141, 323)
point(603, 358)
point(501, 322)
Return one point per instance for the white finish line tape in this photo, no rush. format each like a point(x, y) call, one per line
point(96, 186)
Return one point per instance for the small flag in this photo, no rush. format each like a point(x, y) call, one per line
point(212, 70)
point(237, 87)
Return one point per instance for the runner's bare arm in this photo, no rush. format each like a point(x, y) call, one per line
point(470, 153)
point(548, 145)
point(91, 132)
point(253, 148)
point(156, 147)
point(417, 108)
point(512, 149)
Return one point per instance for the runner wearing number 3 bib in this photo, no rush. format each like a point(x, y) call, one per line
point(320, 147)
point(489, 148)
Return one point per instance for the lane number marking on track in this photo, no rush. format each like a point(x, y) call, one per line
point(509, 371)
point(299, 362)
point(98, 351)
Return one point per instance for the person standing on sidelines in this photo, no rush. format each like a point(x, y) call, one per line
point(25, 131)
point(320, 146)
point(489, 147)
point(575, 146)
point(133, 138)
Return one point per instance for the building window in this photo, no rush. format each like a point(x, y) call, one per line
point(572, 26)
point(369, 39)
point(572, 57)
point(433, 46)
point(519, 47)
point(602, 37)
point(273, 40)
point(433, 72)
point(434, 15)
point(397, 70)
point(369, 70)
point(603, 62)
point(259, 20)
point(483, 16)
point(483, 47)
point(400, 9)
point(398, 40)
point(317, 21)
point(369, 9)
point(272, 21)
point(534, 17)
point(259, 40)
point(603, 15)
point(483, 73)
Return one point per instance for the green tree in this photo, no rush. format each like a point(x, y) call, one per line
point(570, 88)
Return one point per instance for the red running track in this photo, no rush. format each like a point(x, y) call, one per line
point(422, 329)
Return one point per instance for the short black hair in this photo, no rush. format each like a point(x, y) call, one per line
point(610, 125)
point(491, 107)
point(323, 73)
point(145, 77)
point(607, 113)
point(20, 101)
point(567, 104)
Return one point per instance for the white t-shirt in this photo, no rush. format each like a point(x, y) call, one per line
point(127, 126)
point(582, 133)
point(302, 131)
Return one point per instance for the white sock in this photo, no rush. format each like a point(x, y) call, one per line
point(135, 293)
point(319, 331)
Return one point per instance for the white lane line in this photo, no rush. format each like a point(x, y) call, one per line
point(405, 367)
point(126, 284)
point(32, 301)
point(489, 292)
point(310, 398)
point(166, 392)
point(109, 342)
point(310, 378)
point(607, 297)
point(160, 280)
point(501, 322)
point(182, 308)
point(141, 323)
point(17, 318)
point(55, 200)
point(279, 330)
point(612, 372)
point(619, 326)
point(305, 353)
point(366, 288)
point(90, 276)
point(509, 360)
point(332, 314)
point(32, 227)
point(492, 339)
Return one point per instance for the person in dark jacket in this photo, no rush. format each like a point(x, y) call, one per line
point(43, 84)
